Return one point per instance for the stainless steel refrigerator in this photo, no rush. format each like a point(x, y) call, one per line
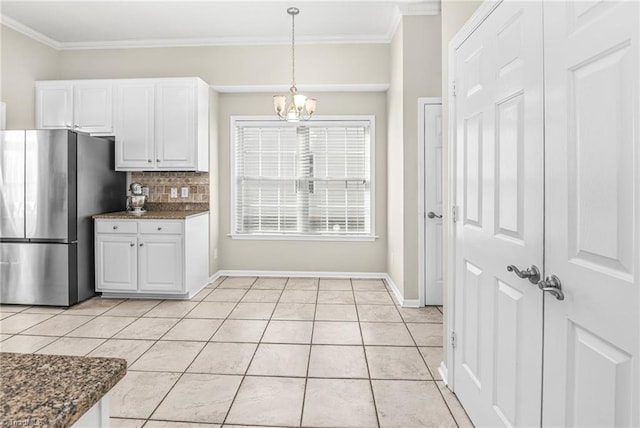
point(51, 183)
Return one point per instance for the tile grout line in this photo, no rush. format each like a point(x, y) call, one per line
point(366, 360)
point(306, 378)
point(244, 376)
point(164, 397)
point(427, 365)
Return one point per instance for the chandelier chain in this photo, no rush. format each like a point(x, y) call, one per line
point(293, 50)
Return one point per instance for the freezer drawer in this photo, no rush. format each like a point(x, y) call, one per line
point(38, 274)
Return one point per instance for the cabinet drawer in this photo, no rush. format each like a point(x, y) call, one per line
point(160, 227)
point(116, 227)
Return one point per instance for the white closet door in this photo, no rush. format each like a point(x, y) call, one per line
point(499, 192)
point(591, 369)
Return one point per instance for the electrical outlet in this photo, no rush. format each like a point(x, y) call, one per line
point(184, 192)
point(174, 192)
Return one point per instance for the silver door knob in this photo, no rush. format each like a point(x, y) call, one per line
point(532, 273)
point(553, 286)
point(431, 214)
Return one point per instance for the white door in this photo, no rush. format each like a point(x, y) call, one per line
point(176, 125)
point(499, 196)
point(591, 369)
point(433, 203)
point(161, 262)
point(135, 126)
point(93, 107)
point(116, 263)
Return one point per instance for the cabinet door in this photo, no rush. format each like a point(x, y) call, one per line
point(161, 263)
point(116, 263)
point(176, 125)
point(93, 107)
point(54, 105)
point(134, 126)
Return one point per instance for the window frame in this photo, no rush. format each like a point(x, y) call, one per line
point(371, 236)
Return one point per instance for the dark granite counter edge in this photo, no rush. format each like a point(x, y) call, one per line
point(53, 390)
point(151, 215)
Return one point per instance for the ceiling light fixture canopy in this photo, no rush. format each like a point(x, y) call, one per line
point(299, 106)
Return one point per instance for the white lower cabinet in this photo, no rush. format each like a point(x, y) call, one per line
point(152, 257)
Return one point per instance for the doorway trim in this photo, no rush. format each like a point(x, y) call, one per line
point(447, 368)
point(422, 209)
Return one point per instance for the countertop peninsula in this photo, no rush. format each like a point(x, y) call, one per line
point(53, 390)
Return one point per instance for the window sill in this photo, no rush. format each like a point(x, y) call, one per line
point(344, 238)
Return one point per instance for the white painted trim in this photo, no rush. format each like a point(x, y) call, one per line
point(394, 288)
point(422, 249)
point(444, 373)
point(277, 89)
point(420, 8)
point(29, 32)
point(395, 24)
point(336, 238)
point(483, 11)
point(3, 115)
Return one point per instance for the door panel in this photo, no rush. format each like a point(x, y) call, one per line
point(116, 263)
point(161, 262)
point(499, 191)
point(135, 126)
point(592, 214)
point(176, 125)
point(12, 184)
point(49, 171)
point(433, 201)
point(93, 107)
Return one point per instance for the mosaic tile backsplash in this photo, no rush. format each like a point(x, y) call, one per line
point(160, 184)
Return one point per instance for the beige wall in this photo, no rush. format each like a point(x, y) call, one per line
point(311, 256)
point(415, 73)
point(214, 183)
point(454, 15)
point(395, 163)
point(23, 62)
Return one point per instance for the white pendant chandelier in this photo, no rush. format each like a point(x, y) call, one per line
point(299, 106)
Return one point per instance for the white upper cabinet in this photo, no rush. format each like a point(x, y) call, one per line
point(135, 125)
point(159, 124)
point(82, 105)
point(93, 107)
point(54, 105)
point(167, 132)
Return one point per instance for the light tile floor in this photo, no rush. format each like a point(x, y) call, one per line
point(277, 352)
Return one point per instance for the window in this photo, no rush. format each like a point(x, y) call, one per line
point(305, 179)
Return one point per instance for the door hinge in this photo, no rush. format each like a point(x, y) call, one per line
point(453, 89)
point(453, 339)
point(454, 213)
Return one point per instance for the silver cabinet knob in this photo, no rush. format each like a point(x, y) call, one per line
point(553, 286)
point(159, 228)
point(142, 245)
point(115, 227)
point(131, 244)
point(532, 273)
point(431, 214)
point(149, 160)
point(158, 160)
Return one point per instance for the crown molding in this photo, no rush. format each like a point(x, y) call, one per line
point(276, 89)
point(431, 7)
point(29, 32)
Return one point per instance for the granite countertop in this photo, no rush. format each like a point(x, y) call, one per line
point(53, 390)
point(153, 215)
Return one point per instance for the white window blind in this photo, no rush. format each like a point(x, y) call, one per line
point(304, 179)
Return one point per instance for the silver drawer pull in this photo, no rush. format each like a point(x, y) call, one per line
point(159, 228)
point(115, 227)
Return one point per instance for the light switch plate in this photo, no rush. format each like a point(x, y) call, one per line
point(174, 192)
point(184, 192)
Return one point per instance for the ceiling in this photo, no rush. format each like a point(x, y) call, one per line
point(108, 24)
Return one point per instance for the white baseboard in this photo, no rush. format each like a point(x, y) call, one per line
point(444, 373)
point(409, 303)
point(302, 274)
